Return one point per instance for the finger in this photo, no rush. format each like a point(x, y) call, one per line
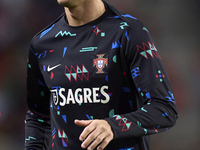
point(82, 122)
point(97, 141)
point(91, 138)
point(104, 143)
point(87, 131)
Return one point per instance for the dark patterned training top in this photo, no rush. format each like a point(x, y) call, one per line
point(106, 69)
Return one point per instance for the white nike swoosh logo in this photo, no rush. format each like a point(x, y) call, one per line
point(51, 68)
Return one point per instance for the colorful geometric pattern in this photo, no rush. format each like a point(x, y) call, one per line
point(135, 72)
point(123, 122)
point(46, 31)
point(30, 138)
point(53, 135)
point(160, 76)
point(123, 24)
point(97, 30)
point(130, 148)
point(61, 33)
point(149, 49)
point(76, 73)
point(171, 99)
point(116, 45)
point(64, 137)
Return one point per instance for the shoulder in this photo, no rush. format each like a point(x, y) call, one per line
point(46, 32)
point(129, 21)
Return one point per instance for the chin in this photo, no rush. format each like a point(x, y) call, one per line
point(67, 3)
point(64, 3)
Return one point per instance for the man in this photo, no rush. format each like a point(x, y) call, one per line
point(95, 80)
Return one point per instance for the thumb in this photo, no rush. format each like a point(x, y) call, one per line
point(82, 122)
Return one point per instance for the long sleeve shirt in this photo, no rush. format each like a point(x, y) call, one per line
point(106, 69)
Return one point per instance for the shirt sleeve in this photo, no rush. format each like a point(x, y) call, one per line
point(37, 123)
point(157, 110)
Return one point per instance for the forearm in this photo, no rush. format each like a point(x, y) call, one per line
point(37, 132)
point(152, 118)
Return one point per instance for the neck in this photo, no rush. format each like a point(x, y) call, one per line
point(85, 13)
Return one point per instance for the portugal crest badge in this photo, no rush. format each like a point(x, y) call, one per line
point(100, 63)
